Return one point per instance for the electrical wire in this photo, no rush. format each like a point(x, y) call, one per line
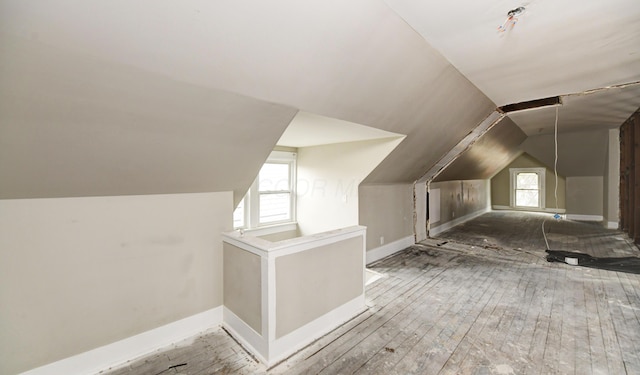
point(545, 235)
point(510, 21)
point(555, 173)
point(555, 163)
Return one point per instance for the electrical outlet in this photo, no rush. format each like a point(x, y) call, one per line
point(381, 240)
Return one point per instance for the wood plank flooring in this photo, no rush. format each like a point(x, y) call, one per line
point(523, 231)
point(458, 309)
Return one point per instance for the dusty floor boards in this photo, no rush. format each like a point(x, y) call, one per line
point(486, 307)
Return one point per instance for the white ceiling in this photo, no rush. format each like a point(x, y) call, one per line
point(555, 48)
point(72, 70)
point(308, 129)
point(604, 109)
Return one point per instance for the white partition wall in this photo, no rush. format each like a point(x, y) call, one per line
point(280, 296)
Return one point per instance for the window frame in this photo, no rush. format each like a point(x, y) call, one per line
point(252, 198)
point(541, 172)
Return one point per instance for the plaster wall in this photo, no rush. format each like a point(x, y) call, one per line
point(387, 212)
point(80, 273)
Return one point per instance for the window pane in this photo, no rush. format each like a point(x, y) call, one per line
point(527, 180)
point(275, 207)
point(527, 198)
point(274, 177)
point(238, 215)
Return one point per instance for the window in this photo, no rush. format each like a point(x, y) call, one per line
point(271, 198)
point(527, 187)
point(238, 215)
point(527, 190)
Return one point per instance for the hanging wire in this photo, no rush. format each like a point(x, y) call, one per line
point(555, 163)
point(510, 21)
point(545, 235)
point(555, 173)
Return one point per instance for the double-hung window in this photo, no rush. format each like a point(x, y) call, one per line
point(275, 191)
point(271, 198)
point(527, 187)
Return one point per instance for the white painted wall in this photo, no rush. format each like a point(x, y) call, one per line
point(387, 212)
point(585, 197)
point(328, 179)
point(80, 273)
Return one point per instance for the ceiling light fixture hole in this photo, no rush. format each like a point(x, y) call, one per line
point(516, 12)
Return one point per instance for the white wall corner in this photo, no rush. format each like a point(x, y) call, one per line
point(611, 225)
point(252, 341)
point(270, 353)
point(122, 352)
point(389, 249)
point(289, 344)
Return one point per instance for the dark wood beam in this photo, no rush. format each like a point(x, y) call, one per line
point(531, 104)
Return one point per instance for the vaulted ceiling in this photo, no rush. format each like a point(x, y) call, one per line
point(554, 48)
point(120, 97)
point(587, 53)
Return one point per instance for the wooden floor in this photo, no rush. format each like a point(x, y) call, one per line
point(454, 308)
point(523, 231)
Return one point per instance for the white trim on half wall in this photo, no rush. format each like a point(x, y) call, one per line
point(389, 249)
point(121, 352)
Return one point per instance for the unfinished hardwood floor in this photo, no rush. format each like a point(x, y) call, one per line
point(451, 309)
point(523, 231)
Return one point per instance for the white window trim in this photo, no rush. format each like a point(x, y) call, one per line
point(252, 198)
point(541, 172)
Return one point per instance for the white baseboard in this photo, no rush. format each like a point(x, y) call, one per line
point(508, 208)
point(585, 217)
point(246, 336)
point(287, 345)
point(434, 231)
point(282, 348)
point(612, 225)
point(389, 249)
point(123, 351)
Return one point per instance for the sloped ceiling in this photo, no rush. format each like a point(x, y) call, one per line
point(157, 96)
point(71, 125)
point(586, 52)
point(555, 48)
point(605, 109)
point(309, 129)
point(119, 97)
point(488, 155)
point(579, 153)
